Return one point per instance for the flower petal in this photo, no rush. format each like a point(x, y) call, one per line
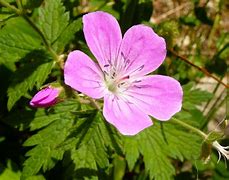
point(83, 75)
point(103, 36)
point(158, 96)
point(125, 116)
point(142, 50)
point(42, 94)
point(45, 98)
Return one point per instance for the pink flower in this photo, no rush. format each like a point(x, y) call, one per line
point(120, 75)
point(45, 98)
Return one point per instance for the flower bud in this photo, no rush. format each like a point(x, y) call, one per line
point(45, 97)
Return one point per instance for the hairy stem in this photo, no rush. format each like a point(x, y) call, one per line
point(197, 67)
point(189, 127)
point(94, 103)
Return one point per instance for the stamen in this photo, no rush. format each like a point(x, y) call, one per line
point(125, 77)
point(106, 65)
point(109, 62)
point(105, 73)
point(139, 87)
point(138, 69)
point(113, 75)
point(121, 84)
point(141, 68)
point(137, 81)
point(126, 61)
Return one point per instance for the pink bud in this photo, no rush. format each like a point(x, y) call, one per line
point(45, 98)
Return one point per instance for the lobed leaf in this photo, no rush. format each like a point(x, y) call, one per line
point(17, 39)
point(25, 78)
point(67, 35)
point(158, 146)
point(88, 144)
point(52, 19)
point(45, 153)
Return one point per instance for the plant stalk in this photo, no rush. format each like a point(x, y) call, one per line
point(197, 67)
point(189, 127)
point(10, 7)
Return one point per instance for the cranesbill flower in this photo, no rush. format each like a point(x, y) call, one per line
point(46, 97)
point(120, 75)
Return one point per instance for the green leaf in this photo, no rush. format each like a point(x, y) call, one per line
point(67, 35)
point(132, 154)
point(42, 118)
point(17, 39)
point(88, 144)
point(31, 4)
point(5, 14)
point(10, 172)
point(135, 11)
point(52, 19)
point(91, 137)
point(194, 96)
point(45, 153)
point(85, 162)
point(25, 78)
point(157, 145)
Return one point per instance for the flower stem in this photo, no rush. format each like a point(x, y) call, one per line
point(19, 4)
point(94, 103)
point(10, 7)
point(189, 127)
point(197, 67)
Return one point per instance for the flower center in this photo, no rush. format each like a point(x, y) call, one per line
point(112, 87)
point(114, 83)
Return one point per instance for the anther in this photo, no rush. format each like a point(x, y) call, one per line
point(140, 68)
point(105, 73)
point(137, 81)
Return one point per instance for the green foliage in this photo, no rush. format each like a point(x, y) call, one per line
point(14, 46)
point(135, 12)
point(66, 127)
point(67, 35)
point(45, 153)
point(5, 14)
point(157, 145)
point(56, 26)
point(201, 14)
point(27, 77)
point(88, 144)
point(8, 172)
point(168, 30)
point(193, 97)
point(52, 19)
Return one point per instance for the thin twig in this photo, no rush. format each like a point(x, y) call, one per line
point(197, 67)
